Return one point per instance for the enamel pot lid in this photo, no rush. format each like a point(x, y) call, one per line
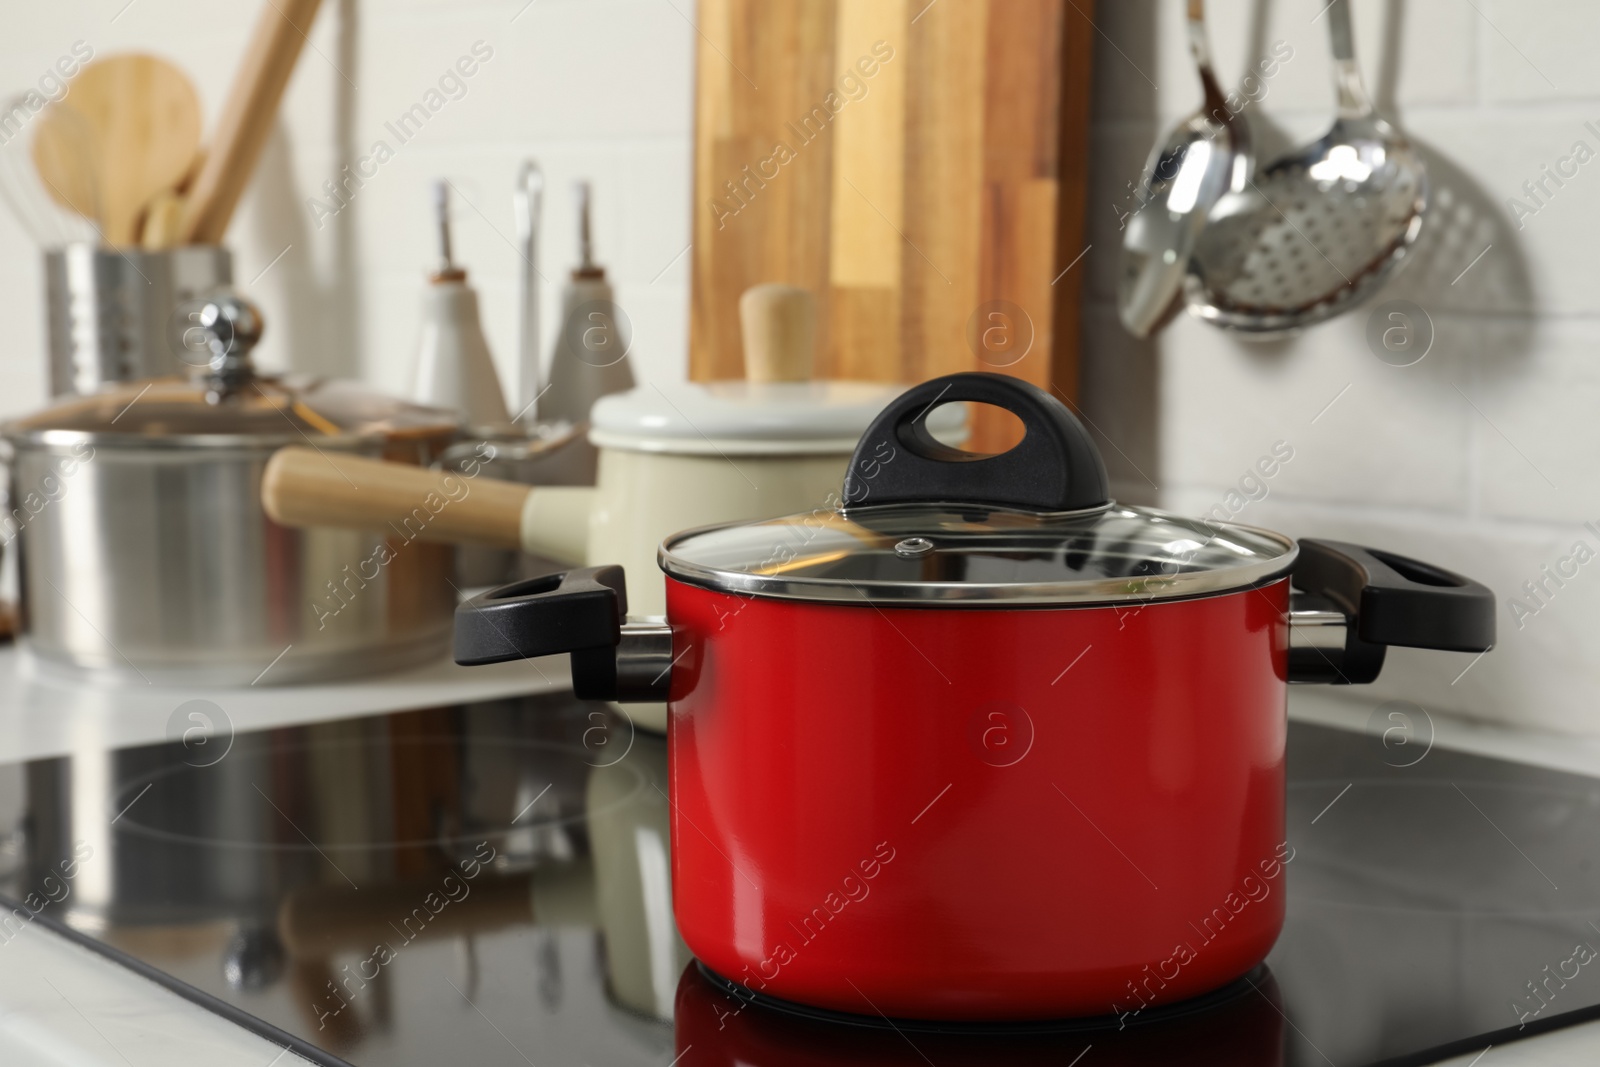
point(927, 524)
point(750, 418)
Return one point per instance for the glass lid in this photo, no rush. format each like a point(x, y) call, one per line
point(225, 403)
point(920, 521)
point(912, 552)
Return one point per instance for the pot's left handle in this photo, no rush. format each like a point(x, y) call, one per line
point(579, 612)
point(1353, 603)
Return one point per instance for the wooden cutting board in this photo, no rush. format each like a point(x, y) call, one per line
point(919, 166)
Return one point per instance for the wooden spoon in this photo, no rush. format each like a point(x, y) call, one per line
point(143, 117)
point(65, 156)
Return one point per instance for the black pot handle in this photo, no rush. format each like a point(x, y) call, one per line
point(578, 611)
point(1056, 467)
point(1387, 599)
point(582, 613)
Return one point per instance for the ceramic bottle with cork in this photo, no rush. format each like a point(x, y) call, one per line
point(454, 368)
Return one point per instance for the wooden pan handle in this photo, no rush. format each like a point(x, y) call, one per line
point(246, 118)
point(778, 325)
point(310, 487)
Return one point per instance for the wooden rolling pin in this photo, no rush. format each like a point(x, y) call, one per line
point(313, 487)
point(246, 118)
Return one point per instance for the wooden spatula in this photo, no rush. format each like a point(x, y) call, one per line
point(143, 117)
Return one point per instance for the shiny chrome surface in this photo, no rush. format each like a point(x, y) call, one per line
point(1317, 628)
point(1202, 158)
point(231, 327)
point(113, 315)
point(1324, 647)
point(644, 660)
point(527, 204)
point(1321, 229)
point(156, 564)
point(144, 551)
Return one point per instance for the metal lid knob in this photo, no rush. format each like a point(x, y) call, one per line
point(232, 326)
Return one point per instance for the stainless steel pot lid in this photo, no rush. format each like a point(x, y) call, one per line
point(922, 523)
point(226, 404)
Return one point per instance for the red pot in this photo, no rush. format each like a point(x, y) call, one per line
point(979, 744)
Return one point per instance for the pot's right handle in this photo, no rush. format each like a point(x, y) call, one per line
point(1354, 602)
point(579, 612)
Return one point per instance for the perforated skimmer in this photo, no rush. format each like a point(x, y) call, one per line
point(1322, 228)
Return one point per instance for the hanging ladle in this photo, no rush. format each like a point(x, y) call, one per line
point(1202, 158)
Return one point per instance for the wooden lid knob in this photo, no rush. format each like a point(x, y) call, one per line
point(779, 326)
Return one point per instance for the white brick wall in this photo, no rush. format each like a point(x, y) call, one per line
point(1483, 456)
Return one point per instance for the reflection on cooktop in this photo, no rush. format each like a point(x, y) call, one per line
point(491, 884)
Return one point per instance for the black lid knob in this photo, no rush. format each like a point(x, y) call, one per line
point(1055, 467)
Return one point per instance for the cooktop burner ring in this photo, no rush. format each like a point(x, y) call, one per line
point(131, 796)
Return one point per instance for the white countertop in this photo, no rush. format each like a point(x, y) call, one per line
point(62, 1005)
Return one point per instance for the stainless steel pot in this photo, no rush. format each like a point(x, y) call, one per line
point(144, 553)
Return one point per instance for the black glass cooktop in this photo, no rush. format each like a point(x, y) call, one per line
point(489, 884)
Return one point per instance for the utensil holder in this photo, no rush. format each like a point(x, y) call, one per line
point(112, 315)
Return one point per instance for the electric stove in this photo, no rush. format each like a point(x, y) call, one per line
point(490, 884)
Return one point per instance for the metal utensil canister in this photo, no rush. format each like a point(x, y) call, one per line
point(145, 555)
point(112, 315)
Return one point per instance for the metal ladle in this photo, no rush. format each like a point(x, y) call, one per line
point(1203, 157)
point(1321, 229)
